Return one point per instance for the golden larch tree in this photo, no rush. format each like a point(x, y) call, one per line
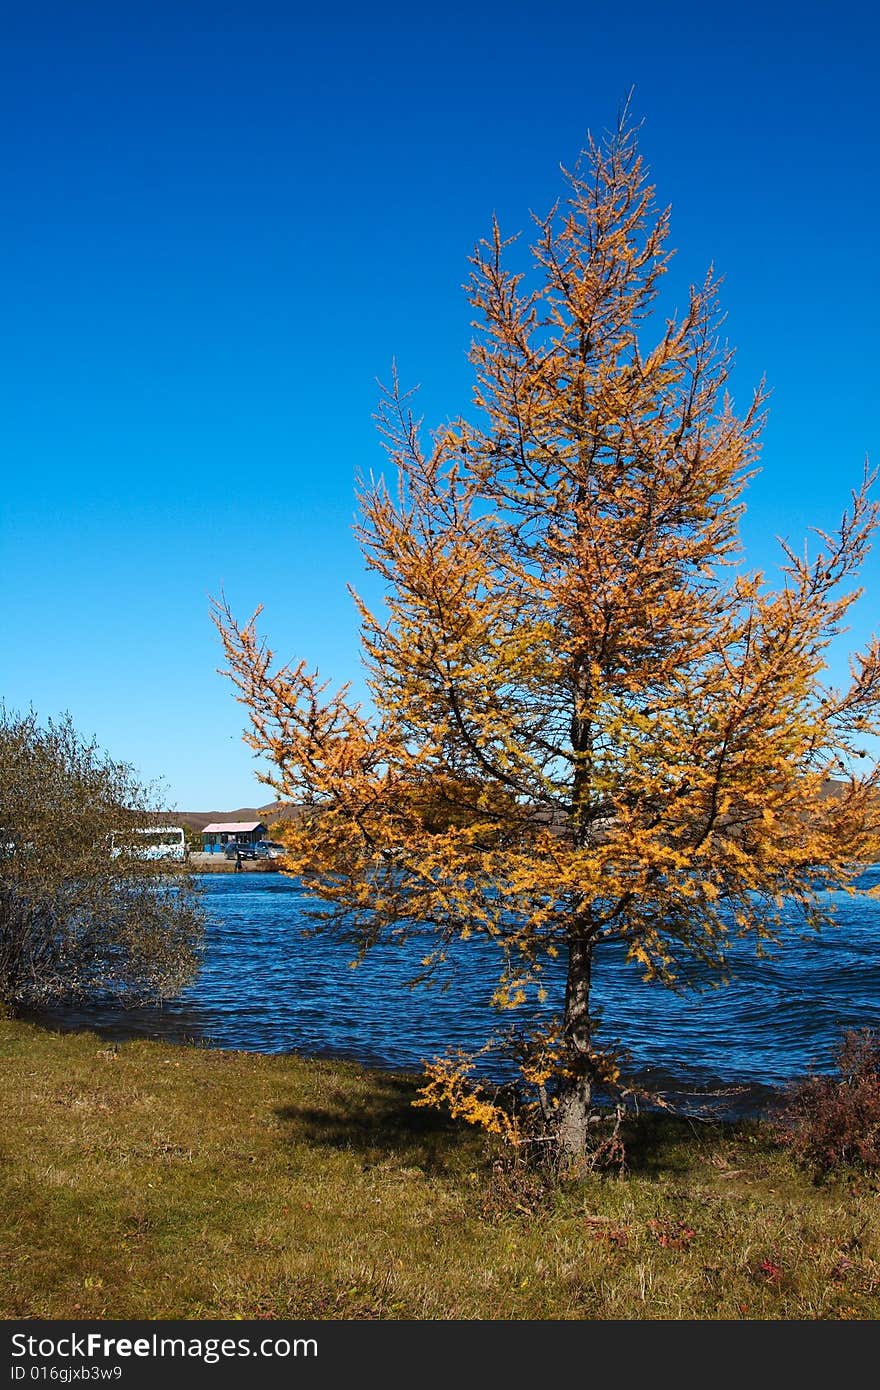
point(621, 734)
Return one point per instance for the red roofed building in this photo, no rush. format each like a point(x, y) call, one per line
point(244, 834)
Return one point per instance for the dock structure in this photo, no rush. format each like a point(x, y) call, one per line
point(201, 863)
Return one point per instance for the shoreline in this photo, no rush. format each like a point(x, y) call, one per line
point(653, 1090)
point(219, 864)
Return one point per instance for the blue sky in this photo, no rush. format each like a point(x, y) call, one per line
point(222, 221)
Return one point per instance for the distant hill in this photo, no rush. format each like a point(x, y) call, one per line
point(286, 810)
point(269, 815)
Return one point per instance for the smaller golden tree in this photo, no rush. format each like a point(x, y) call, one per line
point(631, 731)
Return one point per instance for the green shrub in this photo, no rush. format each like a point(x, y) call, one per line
point(83, 915)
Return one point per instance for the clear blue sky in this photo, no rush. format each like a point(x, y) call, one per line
point(221, 221)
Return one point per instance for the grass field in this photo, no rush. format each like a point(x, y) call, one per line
point(153, 1181)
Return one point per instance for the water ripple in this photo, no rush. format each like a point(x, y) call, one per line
point(263, 987)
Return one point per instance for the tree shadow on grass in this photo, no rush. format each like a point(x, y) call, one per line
point(384, 1125)
point(662, 1145)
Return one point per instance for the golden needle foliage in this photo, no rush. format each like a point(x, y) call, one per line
point(624, 735)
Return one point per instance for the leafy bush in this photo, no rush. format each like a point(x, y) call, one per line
point(79, 921)
point(833, 1121)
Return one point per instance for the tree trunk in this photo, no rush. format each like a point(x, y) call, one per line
point(576, 1090)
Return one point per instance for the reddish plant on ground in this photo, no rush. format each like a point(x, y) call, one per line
point(833, 1121)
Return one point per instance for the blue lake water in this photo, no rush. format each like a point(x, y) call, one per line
point(264, 987)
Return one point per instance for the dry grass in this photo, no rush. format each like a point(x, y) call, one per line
point(161, 1182)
